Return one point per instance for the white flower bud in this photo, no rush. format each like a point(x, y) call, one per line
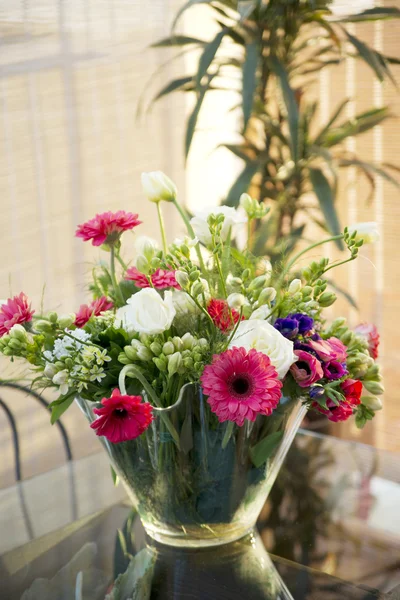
point(18, 332)
point(372, 402)
point(188, 341)
point(168, 348)
point(157, 187)
point(268, 294)
point(49, 370)
point(295, 286)
point(236, 300)
point(182, 278)
point(65, 321)
point(174, 363)
point(368, 232)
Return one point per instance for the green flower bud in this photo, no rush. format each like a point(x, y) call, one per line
point(44, 326)
point(18, 332)
point(198, 366)
point(52, 317)
point(373, 373)
point(59, 365)
point(155, 262)
point(65, 321)
point(197, 289)
point(374, 387)
point(168, 348)
point(268, 294)
point(156, 348)
point(347, 337)
point(15, 344)
point(339, 322)
point(194, 275)
point(161, 362)
point(197, 356)
point(157, 187)
point(327, 299)
point(188, 341)
point(175, 363)
point(245, 274)
point(144, 354)
point(372, 402)
point(69, 363)
point(246, 202)
point(142, 264)
point(182, 278)
point(178, 344)
point(258, 282)
point(203, 343)
point(130, 352)
point(7, 352)
point(188, 363)
point(145, 339)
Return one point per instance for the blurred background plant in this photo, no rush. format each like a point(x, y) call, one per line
point(269, 52)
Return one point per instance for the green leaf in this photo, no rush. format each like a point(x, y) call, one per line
point(192, 120)
point(228, 434)
point(241, 184)
point(172, 86)
point(177, 40)
point(369, 168)
point(372, 14)
point(331, 121)
point(245, 8)
point(60, 409)
point(291, 105)
point(359, 124)
point(249, 80)
point(208, 56)
point(326, 200)
point(368, 55)
point(263, 449)
point(184, 8)
point(114, 476)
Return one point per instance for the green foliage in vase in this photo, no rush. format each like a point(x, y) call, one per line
point(269, 52)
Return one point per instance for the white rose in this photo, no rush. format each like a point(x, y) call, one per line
point(262, 336)
point(183, 303)
point(146, 312)
point(157, 186)
point(368, 232)
point(202, 230)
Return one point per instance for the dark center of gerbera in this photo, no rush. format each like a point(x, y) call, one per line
point(120, 413)
point(240, 385)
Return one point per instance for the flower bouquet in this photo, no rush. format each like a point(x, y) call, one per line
point(196, 363)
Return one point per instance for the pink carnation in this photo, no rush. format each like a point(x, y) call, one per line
point(94, 309)
point(122, 417)
point(327, 350)
point(160, 279)
point(107, 227)
point(370, 333)
point(307, 370)
point(240, 385)
point(15, 311)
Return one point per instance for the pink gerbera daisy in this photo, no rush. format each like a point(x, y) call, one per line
point(15, 310)
point(95, 308)
point(107, 227)
point(240, 385)
point(160, 279)
point(122, 417)
point(370, 333)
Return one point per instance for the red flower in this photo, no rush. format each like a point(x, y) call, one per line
point(107, 227)
point(95, 308)
point(15, 310)
point(370, 333)
point(160, 279)
point(351, 389)
point(224, 317)
point(240, 385)
point(307, 370)
point(122, 418)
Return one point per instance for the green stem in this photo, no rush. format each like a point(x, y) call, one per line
point(219, 269)
point(116, 287)
point(249, 234)
point(162, 227)
point(121, 262)
point(191, 232)
point(131, 369)
point(343, 262)
point(299, 254)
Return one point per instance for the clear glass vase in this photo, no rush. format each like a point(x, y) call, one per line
point(197, 482)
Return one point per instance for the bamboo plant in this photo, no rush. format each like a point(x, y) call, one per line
point(270, 52)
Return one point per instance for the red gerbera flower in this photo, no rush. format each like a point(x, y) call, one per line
point(95, 308)
point(240, 385)
point(352, 390)
point(160, 279)
point(122, 417)
point(370, 333)
point(15, 310)
point(107, 227)
point(224, 317)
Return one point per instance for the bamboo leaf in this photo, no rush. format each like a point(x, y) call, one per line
point(177, 40)
point(184, 8)
point(367, 54)
point(249, 80)
point(331, 121)
point(372, 14)
point(371, 168)
point(291, 106)
point(359, 124)
point(172, 86)
point(326, 200)
point(192, 120)
point(260, 453)
point(208, 55)
point(241, 184)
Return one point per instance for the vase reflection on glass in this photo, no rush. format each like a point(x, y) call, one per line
point(197, 482)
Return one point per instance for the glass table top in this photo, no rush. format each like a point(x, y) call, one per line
point(331, 528)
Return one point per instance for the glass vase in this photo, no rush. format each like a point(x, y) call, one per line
point(197, 482)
